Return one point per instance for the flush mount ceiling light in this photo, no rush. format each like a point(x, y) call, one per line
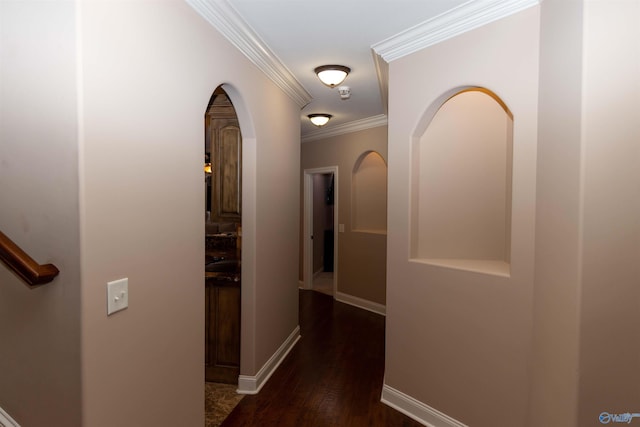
point(319, 119)
point(332, 75)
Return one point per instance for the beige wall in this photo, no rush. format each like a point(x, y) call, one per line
point(587, 238)
point(610, 176)
point(557, 278)
point(141, 93)
point(361, 265)
point(460, 341)
point(40, 327)
point(577, 302)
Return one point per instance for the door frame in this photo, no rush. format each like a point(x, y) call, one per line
point(307, 274)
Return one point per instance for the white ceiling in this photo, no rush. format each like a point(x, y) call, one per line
point(305, 34)
point(289, 38)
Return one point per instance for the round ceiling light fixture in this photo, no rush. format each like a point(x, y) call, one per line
point(320, 119)
point(332, 75)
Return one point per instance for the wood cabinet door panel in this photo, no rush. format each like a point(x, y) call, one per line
point(229, 155)
point(222, 331)
point(226, 160)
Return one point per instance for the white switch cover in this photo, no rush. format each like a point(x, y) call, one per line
point(117, 295)
point(340, 228)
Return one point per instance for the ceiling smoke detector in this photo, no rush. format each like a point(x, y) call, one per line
point(345, 92)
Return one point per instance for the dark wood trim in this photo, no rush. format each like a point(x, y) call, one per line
point(23, 265)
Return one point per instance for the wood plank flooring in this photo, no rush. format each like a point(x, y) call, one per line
point(332, 377)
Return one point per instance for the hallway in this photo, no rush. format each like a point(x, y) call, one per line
point(332, 377)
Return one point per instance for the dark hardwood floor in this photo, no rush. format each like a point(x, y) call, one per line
point(332, 377)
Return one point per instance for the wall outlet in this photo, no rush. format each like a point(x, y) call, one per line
point(117, 295)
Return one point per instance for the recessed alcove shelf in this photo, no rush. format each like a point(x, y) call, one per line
point(380, 232)
point(484, 266)
point(461, 184)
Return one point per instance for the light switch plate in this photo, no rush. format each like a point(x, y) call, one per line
point(117, 295)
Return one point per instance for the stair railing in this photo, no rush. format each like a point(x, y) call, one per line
point(23, 265)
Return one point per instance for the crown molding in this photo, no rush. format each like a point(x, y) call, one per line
point(222, 16)
point(6, 420)
point(382, 71)
point(466, 17)
point(354, 126)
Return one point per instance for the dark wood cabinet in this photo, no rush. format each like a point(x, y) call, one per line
point(225, 152)
point(222, 306)
point(222, 329)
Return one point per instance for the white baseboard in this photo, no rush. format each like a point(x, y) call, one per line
point(361, 303)
point(417, 410)
point(6, 420)
point(248, 384)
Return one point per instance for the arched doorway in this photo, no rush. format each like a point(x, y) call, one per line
point(246, 381)
point(223, 228)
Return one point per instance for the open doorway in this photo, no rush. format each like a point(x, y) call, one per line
point(320, 229)
point(223, 231)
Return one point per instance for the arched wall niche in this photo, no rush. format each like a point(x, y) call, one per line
point(369, 194)
point(461, 179)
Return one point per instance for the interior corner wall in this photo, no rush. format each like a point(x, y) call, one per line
point(469, 333)
point(40, 327)
point(610, 272)
point(148, 72)
point(587, 234)
point(361, 259)
point(555, 351)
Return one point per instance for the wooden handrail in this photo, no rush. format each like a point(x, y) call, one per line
point(23, 265)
